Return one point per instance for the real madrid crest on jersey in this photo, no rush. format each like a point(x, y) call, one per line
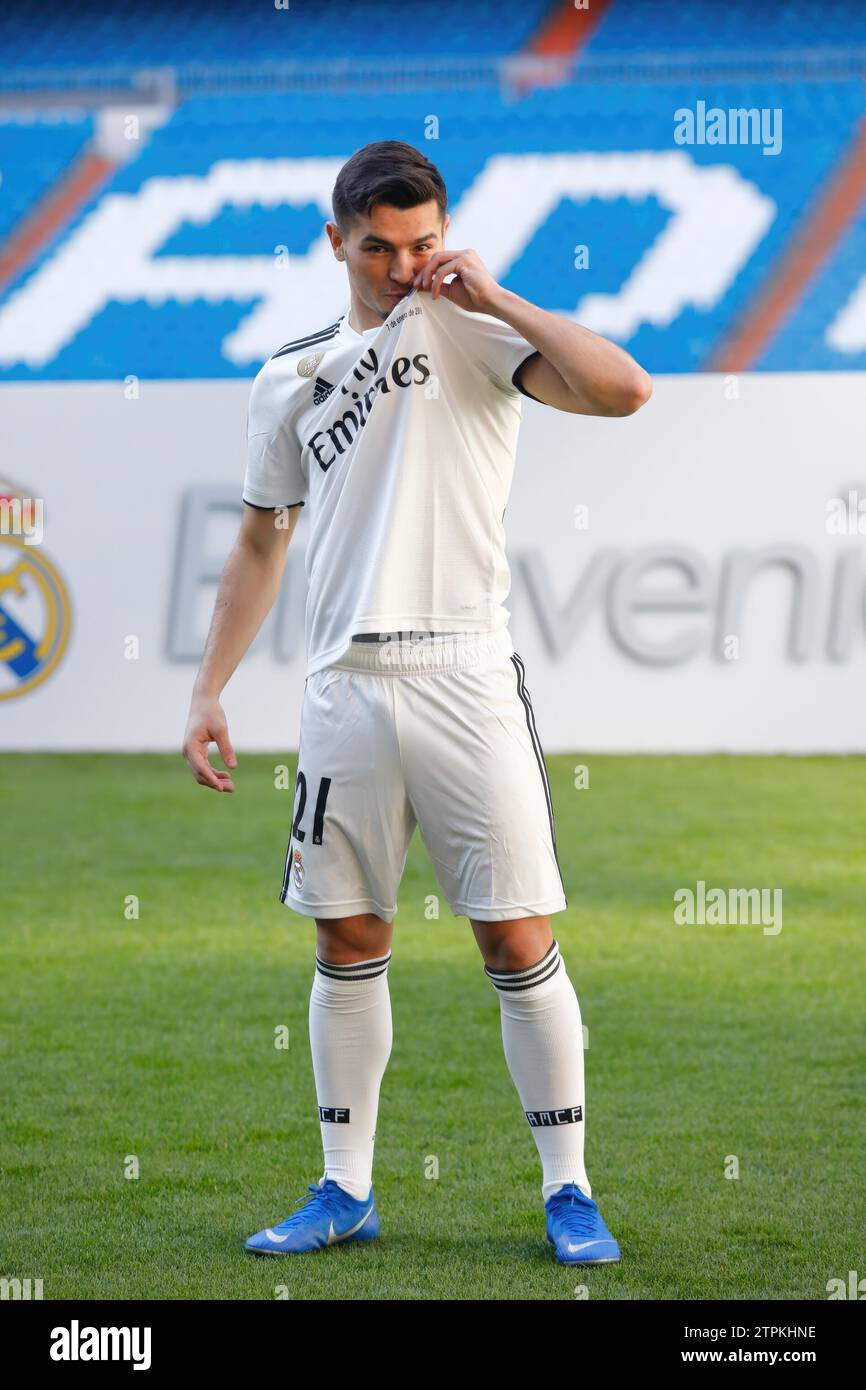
point(298, 868)
point(308, 365)
point(34, 604)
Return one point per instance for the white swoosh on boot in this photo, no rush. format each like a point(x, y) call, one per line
point(334, 1239)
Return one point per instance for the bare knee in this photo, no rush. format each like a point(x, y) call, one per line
point(345, 940)
point(515, 944)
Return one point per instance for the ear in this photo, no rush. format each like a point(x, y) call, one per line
point(336, 240)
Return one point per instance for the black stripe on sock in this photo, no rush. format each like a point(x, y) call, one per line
point(511, 981)
point(358, 970)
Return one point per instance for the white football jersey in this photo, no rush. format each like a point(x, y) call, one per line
point(402, 439)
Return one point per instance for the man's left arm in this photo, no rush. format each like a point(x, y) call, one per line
point(572, 369)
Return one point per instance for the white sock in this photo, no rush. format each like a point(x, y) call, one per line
point(542, 1035)
point(350, 1041)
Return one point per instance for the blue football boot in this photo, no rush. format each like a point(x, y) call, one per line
point(331, 1217)
point(576, 1231)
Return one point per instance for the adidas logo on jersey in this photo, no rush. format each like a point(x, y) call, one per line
point(321, 390)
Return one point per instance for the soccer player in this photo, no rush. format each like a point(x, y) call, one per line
point(398, 423)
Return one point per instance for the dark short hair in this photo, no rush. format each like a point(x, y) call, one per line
point(387, 171)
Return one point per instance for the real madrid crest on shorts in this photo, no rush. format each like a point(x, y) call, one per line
point(298, 874)
point(34, 604)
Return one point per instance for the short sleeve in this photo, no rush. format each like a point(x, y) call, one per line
point(500, 349)
point(274, 476)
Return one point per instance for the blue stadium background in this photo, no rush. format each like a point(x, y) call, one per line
point(254, 82)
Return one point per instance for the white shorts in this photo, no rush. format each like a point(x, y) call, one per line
point(431, 730)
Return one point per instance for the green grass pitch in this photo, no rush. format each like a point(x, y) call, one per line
point(148, 1045)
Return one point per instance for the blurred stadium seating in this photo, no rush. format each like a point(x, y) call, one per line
point(232, 86)
point(93, 34)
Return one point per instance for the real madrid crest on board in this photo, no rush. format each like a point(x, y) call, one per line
point(35, 614)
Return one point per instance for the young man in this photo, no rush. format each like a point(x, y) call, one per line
point(399, 423)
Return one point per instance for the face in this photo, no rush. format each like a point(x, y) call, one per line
point(383, 252)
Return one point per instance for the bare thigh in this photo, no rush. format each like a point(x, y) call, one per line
point(345, 940)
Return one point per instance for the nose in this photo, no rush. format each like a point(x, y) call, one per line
point(401, 272)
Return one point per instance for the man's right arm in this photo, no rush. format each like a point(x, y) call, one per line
point(248, 586)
